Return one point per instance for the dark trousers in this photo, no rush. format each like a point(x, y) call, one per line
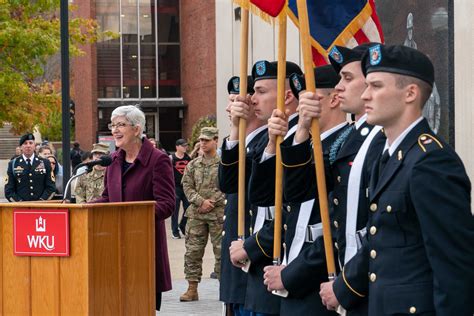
point(180, 197)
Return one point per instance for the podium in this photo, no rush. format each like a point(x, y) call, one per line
point(110, 269)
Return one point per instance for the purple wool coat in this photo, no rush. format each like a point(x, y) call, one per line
point(150, 177)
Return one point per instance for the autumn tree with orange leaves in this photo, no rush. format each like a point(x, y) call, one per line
point(29, 40)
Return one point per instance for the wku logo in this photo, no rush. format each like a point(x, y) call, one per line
point(41, 241)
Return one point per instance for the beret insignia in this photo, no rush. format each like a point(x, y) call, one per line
point(336, 55)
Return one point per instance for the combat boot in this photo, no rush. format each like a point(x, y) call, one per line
point(191, 294)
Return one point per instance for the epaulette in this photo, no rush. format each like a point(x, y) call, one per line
point(427, 139)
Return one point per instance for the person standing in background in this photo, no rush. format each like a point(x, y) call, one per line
point(29, 176)
point(179, 160)
point(76, 153)
point(91, 185)
point(205, 212)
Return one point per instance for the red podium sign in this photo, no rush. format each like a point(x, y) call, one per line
point(41, 232)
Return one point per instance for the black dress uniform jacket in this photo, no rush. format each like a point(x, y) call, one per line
point(337, 177)
point(303, 296)
point(29, 183)
point(301, 280)
point(233, 280)
point(258, 299)
point(340, 171)
point(418, 253)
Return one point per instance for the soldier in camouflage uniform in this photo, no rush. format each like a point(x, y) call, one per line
point(205, 212)
point(91, 185)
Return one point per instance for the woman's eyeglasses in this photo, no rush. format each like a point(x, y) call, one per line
point(112, 126)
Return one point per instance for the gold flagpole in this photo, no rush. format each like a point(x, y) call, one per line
point(242, 123)
point(281, 76)
point(317, 147)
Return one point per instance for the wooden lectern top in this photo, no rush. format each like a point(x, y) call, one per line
point(56, 204)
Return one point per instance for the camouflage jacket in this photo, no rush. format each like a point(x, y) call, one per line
point(200, 183)
point(90, 186)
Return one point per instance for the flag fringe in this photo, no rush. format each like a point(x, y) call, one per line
point(261, 14)
point(352, 28)
point(254, 10)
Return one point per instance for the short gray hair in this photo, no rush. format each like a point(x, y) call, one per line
point(133, 114)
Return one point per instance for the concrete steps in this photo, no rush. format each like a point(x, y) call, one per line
point(8, 142)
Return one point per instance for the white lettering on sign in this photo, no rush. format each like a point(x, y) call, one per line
point(41, 242)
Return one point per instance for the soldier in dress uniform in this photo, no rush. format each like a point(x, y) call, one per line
point(91, 185)
point(301, 220)
point(205, 212)
point(264, 73)
point(417, 256)
point(341, 157)
point(29, 177)
point(233, 283)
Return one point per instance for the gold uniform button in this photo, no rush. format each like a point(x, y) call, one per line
point(336, 245)
point(31, 188)
point(225, 202)
point(336, 224)
point(288, 208)
point(338, 178)
point(373, 207)
point(251, 213)
point(30, 175)
point(223, 233)
point(373, 230)
point(372, 277)
point(31, 181)
point(373, 254)
point(285, 227)
point(223, 218)
point(251, 230)
point(412, 310)
point(284, 245)
point(336, 202)
point(389, 208)
point(31, 193)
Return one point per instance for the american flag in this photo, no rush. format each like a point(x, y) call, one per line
point(345, 23)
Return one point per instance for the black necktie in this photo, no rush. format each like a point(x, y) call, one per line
point(28, 162)
point(383, 162)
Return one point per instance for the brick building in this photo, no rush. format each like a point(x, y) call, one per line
point(163, 59)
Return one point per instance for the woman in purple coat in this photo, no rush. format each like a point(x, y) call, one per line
point(140, 172)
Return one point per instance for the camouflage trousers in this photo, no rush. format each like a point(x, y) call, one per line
point(197, 233)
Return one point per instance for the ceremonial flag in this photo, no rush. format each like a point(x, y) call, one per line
point(345, 23)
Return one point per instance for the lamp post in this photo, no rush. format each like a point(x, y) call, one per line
point(66, 124)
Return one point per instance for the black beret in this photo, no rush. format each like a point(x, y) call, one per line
point(268, 70)
point(398, 59)
point(339, 56)
point(26, 137)
point(325, 77)
point(233, 86)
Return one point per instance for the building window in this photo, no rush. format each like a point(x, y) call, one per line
point(144, 62)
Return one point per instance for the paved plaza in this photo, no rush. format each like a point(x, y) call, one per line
point(208, 303)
